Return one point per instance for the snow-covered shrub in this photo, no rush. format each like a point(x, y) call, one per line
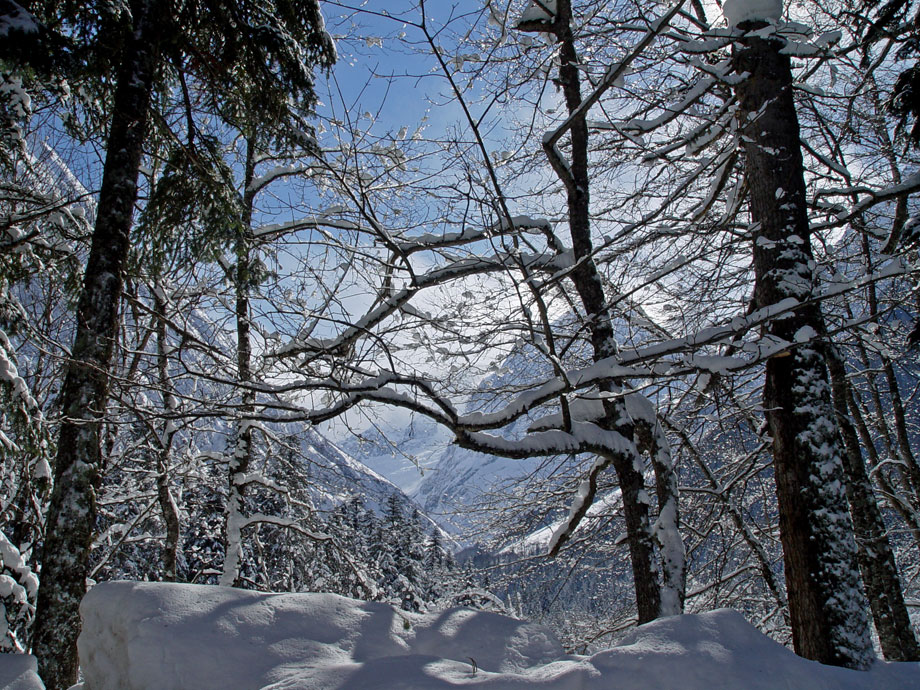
point(18, 587)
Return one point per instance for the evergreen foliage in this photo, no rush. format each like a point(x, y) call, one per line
point(898, 20)
point(18, 587)
point(366, 556)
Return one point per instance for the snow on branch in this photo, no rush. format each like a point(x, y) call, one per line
point(696, 92)
point(584, 497)
point(397, 299)
point(379, 388)
point(583, 437)
point(305, 223)
point(578, 378)
point(626, 365)
point(674, 357)
point(539, 16)
point(739, 11)
point(431, 241)
point(580, 410)
point(873, 197)
point(613, 73)
point(9, 376)
point(259, 182)
point(286, 523)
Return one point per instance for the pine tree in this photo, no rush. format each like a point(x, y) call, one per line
point(18, 586)
point(237, 52)
point(409, 562)
point(437, 563)
point(346, 563)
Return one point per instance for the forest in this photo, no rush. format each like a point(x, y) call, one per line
point(590, 312)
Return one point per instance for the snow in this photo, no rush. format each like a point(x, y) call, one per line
point(737, 11)
point(539, 10)
point(11, 559)
point(169, 636)
point(16, 18)
point(580, 410)
point(544, 538)
point(18, 672)
point(581, 438)
point(805, 334)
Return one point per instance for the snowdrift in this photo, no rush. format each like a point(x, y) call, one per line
point(18, 672)
point(140, 636)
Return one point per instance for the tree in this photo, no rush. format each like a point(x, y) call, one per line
point(272, 59)
point(504, 232)
point(72, 512)
point(586, 278)
point(580, 274)
point(893, 20)
point(694, 197)
point(17, 599)
point(827, 611)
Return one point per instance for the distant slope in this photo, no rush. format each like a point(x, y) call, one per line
point(335, 476)
point(462, 478)
point(402, 453)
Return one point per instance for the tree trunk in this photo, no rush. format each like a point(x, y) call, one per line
point(164, 451)
point(586, 278)
point(826, 607)
point(876, 560)
point(242, 454)
point(72, 511)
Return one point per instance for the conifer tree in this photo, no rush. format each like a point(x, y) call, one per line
point(235, 54)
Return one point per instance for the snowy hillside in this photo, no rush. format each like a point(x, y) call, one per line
point(460, 478)
point(335, 475)
point(140, 636)
point(403, 453)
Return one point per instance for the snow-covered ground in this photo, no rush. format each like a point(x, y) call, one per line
point(17, 672)
point(170, 637)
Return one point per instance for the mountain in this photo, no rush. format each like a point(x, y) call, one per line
point(459, 479)
point(335, 476)
point(403, 452)
point(463, 479)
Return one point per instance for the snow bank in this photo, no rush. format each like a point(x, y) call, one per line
point(145, 635)
point(18, 672)
point(737, 11)
point(165, 636)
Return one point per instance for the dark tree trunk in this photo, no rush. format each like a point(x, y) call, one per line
point(587, 281)
point(826, 606)
point(164, 451)
point(242, 455)
point(876, 560)
point(72, 512)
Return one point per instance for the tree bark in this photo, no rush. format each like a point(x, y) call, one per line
point(586, 278)
point(164, 451)
point(826, 606)
point(72, 511)
point(242, 454)
point(876, 560)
